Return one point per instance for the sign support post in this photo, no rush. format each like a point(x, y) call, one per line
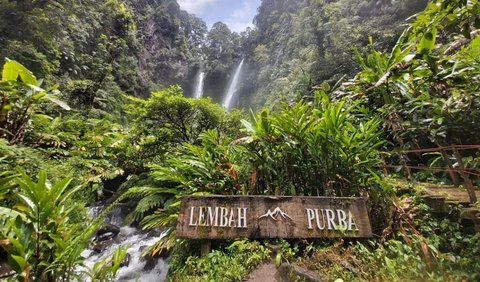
point(205, 247)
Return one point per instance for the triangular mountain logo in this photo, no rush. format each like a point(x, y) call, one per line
point(275, 214)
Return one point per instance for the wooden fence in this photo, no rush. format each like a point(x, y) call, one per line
point(448, 153)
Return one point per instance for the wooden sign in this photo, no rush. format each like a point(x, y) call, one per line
point(228, 217)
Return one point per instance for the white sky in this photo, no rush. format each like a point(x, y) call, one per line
point(237, 14)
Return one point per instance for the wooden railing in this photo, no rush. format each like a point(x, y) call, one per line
point(453, 171)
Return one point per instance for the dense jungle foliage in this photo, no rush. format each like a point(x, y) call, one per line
point(94, 106)
point(97, 50)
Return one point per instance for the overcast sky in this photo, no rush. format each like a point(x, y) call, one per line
point(237, 14)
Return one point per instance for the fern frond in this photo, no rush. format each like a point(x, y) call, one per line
point(145, 205)
point(161, 218)
point(145, 191)
point(168, 174)
point(148, 203)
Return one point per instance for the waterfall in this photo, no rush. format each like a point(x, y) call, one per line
point(199, 85)
point(232, 88)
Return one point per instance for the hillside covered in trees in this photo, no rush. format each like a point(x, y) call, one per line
point(112, 111)
point(92, 47)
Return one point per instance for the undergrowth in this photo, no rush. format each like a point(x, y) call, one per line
point(230, 263)
point(435, 248)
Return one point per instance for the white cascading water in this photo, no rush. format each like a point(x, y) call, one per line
point(199, 85)
point(137, 240)
point(232, 88)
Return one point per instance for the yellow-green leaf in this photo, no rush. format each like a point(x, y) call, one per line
point(12, 70)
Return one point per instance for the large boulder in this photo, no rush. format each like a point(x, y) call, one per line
point(104, 237)
point(106, 232)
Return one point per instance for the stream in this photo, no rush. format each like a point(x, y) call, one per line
point(139, 269)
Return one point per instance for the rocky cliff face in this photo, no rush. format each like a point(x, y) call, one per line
point(167, 37)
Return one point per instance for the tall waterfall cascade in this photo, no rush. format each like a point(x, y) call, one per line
point(199, 85)
point(232, 88)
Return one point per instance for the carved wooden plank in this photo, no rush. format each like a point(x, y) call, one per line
point(227, 217)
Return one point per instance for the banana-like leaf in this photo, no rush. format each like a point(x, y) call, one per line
point(9, 213)
point(13, 69)
point(57, 101)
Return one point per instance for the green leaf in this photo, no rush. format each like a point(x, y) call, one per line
point(9, 213)
point(427, 43)
point(278, 259)
point(117, 258)
point(59, 188)
point(398, 53)
point(20, 261)
point(38, 96)
point(248, 126)
point(360, 59)
point(12, 70)
point(58, 102)
point(70, 193)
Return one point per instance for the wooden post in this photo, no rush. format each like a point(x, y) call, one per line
point(450, 168)
point(468, 182)
point(206, 247)
point(405, 167)
point(384, 166)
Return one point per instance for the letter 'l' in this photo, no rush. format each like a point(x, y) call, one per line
point(191, 223)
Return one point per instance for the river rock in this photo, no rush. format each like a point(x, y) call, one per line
point(5, 270)
point(126, 260)
point(141, 249)
point(164, 253)
point(156, 232)
point(100, 246)
point(151, 261)
point(285, 270)
point(106, 232)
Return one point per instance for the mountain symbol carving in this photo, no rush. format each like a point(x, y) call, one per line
point(275, 214)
